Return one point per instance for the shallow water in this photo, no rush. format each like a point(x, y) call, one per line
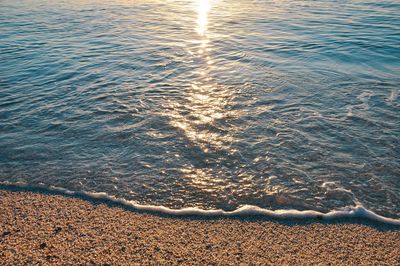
point(211, 104)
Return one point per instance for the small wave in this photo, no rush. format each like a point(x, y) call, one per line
point(358, 211)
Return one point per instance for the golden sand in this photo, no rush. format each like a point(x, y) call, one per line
point(55, 230)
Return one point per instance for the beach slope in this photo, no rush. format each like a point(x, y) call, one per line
point(38, 228)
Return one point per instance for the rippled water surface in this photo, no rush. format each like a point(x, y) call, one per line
point(206, 103)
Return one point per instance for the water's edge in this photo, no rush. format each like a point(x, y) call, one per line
point(357, 212)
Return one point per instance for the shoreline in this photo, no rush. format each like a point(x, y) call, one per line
point(352, 214)
point(54, 229)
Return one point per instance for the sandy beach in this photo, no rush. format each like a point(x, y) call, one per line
point(37, 228)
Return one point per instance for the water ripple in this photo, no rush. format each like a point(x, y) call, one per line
point(203, 103)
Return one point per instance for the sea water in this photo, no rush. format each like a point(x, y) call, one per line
point(213, 105)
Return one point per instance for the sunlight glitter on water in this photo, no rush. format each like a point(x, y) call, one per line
point(203, 7)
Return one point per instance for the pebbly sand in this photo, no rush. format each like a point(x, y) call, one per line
point(47, 229)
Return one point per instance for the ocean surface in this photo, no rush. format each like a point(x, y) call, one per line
point(211, 104)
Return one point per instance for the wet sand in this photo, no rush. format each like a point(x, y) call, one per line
point(46, 229)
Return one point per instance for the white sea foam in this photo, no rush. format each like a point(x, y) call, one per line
point(349, 111)
point(393, 96)
point(332, 187)
point(364, 97)
point(358, 211)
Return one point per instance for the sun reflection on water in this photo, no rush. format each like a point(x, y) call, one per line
point(203, 114)
point(203, 7)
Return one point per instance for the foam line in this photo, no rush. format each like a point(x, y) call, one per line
point(358, 211)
